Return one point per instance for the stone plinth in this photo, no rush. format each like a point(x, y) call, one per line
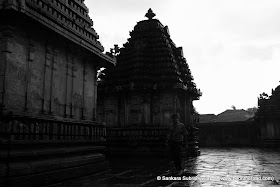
point(39, 151)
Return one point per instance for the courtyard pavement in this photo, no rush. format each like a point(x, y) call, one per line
point(214, 167)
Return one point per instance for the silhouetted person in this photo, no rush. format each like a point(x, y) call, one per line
point(177, 139)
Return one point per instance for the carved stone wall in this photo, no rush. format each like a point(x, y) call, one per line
point(43, 73)
point(68, 18)
point(49, 54)
point(143, 109)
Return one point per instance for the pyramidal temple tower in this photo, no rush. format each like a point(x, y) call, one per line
point(150, 82)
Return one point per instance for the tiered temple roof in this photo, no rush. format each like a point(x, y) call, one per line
point(67, 17)
point(149, 60)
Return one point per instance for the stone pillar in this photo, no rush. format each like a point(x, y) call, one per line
point(6, 42)
point(146, 109)
point(52, 78)
point(73, 70)
point(68, 92)
point(95, 93)
point(122, 110)
point(152, 108)
point(160, 110)
point(47, 80)
point(66, 114)
point(83, 91)
point(119, 101)
point(188, 111)
point(185, 109)
point(30, 58)
point(127, 109)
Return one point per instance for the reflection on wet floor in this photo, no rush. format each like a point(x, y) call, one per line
point(215, 167)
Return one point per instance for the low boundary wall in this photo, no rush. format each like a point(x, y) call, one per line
point(242, 133)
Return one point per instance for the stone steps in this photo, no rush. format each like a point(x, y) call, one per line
point(56, 176)
point(28, 167)
point(50, 164)
point(13, 151)
point(273, 142)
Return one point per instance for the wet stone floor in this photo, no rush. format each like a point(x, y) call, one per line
point(214, 167)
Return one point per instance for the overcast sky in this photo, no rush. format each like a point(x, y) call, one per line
point(232, 47)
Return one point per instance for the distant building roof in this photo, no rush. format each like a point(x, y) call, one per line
point(226, 116)
point(233, 115)
point(207, 118)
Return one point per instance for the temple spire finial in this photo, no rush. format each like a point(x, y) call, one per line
point(150, 14)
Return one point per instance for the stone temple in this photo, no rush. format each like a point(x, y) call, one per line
point(268, 118)
point(49, 57)
point(150, 82)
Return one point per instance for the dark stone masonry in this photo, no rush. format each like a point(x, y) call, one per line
point(268, 118)
point(49, 57)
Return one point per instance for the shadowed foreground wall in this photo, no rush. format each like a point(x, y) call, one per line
point(42, 73)
point(49, 55)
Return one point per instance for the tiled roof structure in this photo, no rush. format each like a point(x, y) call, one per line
point(149, 60)
point(68, 17)
point(207, 118)
point(233, 115)
point(226, 116)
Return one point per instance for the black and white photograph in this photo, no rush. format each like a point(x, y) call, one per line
point(129, 93)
